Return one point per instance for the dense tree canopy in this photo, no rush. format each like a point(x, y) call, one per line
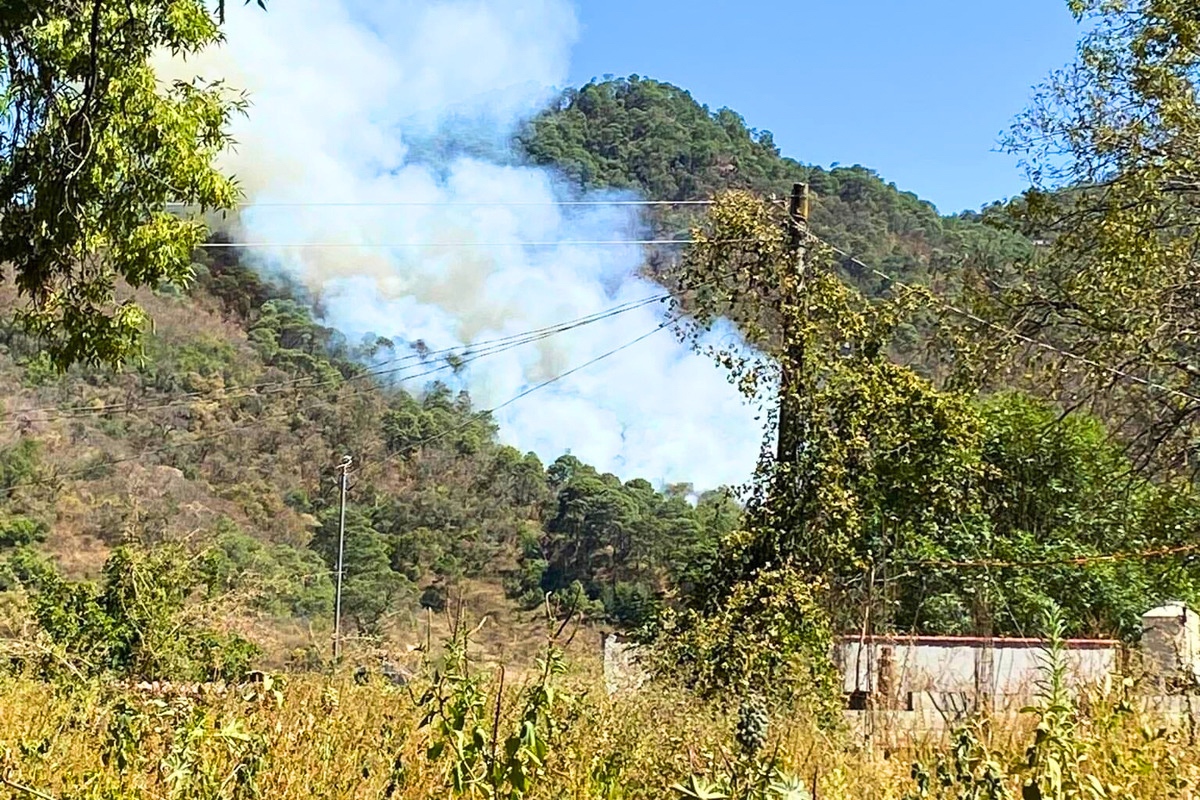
point(902, 501)
point(654, 138)
point(924, 509)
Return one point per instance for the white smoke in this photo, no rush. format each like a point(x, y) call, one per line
point(416, 102)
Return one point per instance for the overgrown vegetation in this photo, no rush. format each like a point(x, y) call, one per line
point(92, 147)
point(137, 622)
point(180, 520)
point(654, 138)
point(456, 729)
point(225, 439)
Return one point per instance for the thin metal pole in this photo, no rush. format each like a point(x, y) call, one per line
point(337, 611)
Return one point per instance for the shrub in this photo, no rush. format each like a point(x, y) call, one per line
point(134, 622)
point(18, 531)
point(768, 638)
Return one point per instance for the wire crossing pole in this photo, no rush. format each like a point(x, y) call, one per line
point(337, 606)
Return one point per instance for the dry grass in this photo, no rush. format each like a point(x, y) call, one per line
point(330, 737)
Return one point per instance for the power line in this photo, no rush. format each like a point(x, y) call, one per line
point(462, 244)
point(1115, 371)
point(1067, 561)
point(457, 204)
point(249, 423)
point(467, 354)
point(525, 393)
point(585, 365)
point(256, 421)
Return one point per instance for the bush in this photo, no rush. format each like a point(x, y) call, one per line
point(133, 623)
point(281, 579)
point(18, 531)
point(434, 597)
point(19, 463)
point(769, 638)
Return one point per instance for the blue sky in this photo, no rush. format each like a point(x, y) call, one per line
point(918, 90)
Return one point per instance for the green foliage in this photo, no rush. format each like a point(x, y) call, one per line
point(1051, 490)
point(622, 544)
point(370, 586)
point(40, 370)
point(878, 478)
point(412, 423)
point(255, 398)
point(288, 337)
point(768, 637)
point(134, 622)
point(1054, 758)
point(768, 782)
point(1112, 144)
point(221, 274)
point(281, 580)
point(753, 775)
point(477, 755)
point(19, 531)
point(865, 452)
point(19, 463)
point(968, 772)
point(93, 148)
point(192, 366)
point(652, 137)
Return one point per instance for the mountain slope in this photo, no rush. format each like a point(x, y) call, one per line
point(654, 138)
point(227, 436)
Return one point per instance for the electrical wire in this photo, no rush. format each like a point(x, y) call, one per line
point(1158, 552)
point(256, 421)
point(458, 244)
point(525, 393)
point(436, 204)
point(465, 354)
point(507, 342)
point(1008, 332)
point(251, 422)
point(1067, 561)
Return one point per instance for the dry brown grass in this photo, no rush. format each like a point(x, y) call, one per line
point(330, 737)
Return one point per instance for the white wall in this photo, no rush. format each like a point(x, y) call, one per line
point(1006, 672)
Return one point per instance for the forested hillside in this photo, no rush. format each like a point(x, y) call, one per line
point(654, 138)
point(184, 436)
point(227, 433)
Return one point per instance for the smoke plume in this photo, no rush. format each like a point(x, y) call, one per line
point(370, 109)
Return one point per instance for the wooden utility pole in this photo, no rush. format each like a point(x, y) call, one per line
point(791, 290)
point(337, 604)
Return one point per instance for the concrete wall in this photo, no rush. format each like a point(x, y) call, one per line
point(951, 676)
point(958, 673)
point(1171, 645)
point(622, 673)
point(943, 674)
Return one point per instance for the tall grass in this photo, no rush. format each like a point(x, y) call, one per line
point(462, 728)
point(334, 736)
